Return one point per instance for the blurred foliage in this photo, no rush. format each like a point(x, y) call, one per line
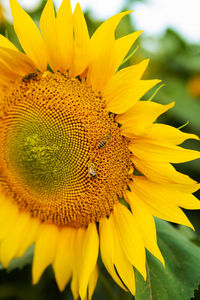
point(177, 63)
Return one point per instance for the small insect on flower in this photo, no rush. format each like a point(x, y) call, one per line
point(104, 141)
point(29, 77)
point(92, 170)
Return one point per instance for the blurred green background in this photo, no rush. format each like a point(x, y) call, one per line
point(177, 63)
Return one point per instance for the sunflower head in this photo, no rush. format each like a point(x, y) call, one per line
point(73, 132)
point(60, 148)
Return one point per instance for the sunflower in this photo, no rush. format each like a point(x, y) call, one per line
point(74, 137)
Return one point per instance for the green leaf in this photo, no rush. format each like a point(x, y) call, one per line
point(181, 275)
point(187, 232)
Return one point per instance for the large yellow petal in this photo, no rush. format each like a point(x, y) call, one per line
point(65, 35)
point(124, 77)
point(146, 223)
point(150, 151)
point(63, 263)
point(77, 260)
point(102, 53)
point(160, 172)
point(161, 203)
point(4, 42)
point(29, 36)
point(7, 75)
point(6, 209)
point(17, 62)
point(107, 248)
point(14, 65)
point(45, 250)
point(168, 134)
point(34, 228)
point(186, 200)
point(7, 224)
point(168, 194)
point(146, 111)
point(49, 31)
point(12, 242)
point(92, 282)
point(186, 188)
point(123, 45)
point(122, 264)
point(90, 249)
point(125, 95)
point(81, 42)
point(130, 237)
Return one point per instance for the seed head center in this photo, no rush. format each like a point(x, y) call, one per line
point(62, 158)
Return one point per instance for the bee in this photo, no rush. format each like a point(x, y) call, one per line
point(92, 170)
point(104, 141)
point(30, 76)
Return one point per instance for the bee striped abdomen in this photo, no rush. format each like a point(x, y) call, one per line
point(102, 144)
point(104, 141)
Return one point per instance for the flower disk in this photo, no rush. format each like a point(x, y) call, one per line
point(55, 161)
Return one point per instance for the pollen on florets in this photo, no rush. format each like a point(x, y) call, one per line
point(55, 160)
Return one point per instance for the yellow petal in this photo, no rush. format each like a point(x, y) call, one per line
point(17, 62)
point(102, 51)
point(146, 111)
point(6, 74)
point(3, 200)
point(161, 153)
point(92, 282)
point(81, 42)
point(49, 31)
point(6, 209)
point(130, 237)
point(75, 286)
point(125, 96)
point(77, 260)
point(160, 172)
point(166, 193)
point(65, 35)
point(63, 263)
point(187, 201)
point(29, 36)
point(7, 224)
point(168, 134)
point(45, 250)
point(146, 223)
point(122, 264)
point(33, 230)
point(123, 45)
point(124, 77)
point(89, 257)
point(161, 204)
point(186, 188)
point(109, 26)
point(107, 248)
point(12, 242)
point(4, 42)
